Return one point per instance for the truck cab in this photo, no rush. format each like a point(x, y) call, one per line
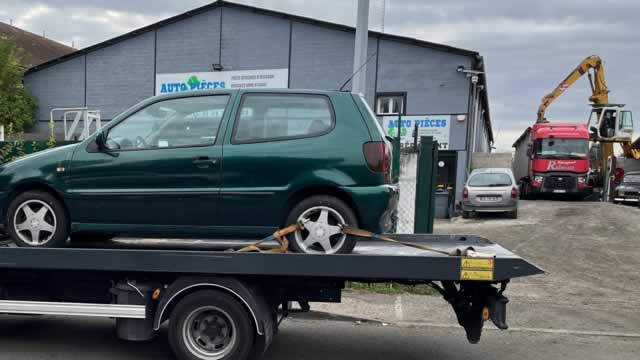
point(557, 160)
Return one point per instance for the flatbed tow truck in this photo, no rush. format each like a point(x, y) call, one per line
point(228, 304)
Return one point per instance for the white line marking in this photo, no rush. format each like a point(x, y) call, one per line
point(398, 308)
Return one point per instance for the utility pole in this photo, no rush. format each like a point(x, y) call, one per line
point(359, 82)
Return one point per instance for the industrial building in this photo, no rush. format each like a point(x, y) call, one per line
point(440, 88)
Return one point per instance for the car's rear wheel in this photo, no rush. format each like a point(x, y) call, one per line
point(513, 214)
point(466, 214)
point(323, 217)
point(37, 219)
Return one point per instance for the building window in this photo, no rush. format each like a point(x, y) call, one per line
point(390, 103)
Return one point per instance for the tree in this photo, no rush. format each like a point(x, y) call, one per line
point(17, 106)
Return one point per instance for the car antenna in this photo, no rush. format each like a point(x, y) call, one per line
point(357, 71)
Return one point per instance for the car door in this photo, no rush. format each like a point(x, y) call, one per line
point(159, 169)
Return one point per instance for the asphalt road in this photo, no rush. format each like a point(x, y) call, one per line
point(31, 338)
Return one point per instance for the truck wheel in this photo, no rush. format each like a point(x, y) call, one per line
point(323, 216)
point(37, 219)
point(211, 325)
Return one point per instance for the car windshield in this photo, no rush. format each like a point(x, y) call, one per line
point(490, 180)
point(632, 178)
point(554, 148)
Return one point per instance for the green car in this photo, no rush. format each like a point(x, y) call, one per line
point(215, 164)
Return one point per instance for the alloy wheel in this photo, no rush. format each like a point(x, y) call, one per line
point(34, 222)
point(322, 233)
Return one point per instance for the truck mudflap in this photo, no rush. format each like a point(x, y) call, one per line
point(474, 303)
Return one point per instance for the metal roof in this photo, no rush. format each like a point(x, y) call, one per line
point(222, 3)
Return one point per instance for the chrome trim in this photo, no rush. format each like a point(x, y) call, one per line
point(144, 191)
point(255, 319)
point(247, 192)
point(73, 309)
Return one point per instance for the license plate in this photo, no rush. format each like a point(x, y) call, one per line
point(559, 191)
point(490, 198)
point(621, 193)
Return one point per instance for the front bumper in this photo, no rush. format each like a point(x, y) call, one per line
point(629, 199)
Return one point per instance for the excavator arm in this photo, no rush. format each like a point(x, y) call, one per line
point(600, 93)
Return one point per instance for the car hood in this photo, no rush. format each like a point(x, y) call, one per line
point(45, 156)
point(630, 186)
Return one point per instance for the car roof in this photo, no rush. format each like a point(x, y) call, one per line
point(492, 170)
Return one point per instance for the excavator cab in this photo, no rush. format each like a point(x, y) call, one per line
point(610, 122)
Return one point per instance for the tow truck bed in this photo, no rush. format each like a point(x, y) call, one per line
point(143, 283)
point(371, 260)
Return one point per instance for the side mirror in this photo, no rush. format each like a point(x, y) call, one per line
point(529, 151)
point(101, 140)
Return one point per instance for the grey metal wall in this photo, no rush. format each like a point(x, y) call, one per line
point(120, 75)
point(428, 76)
point(322, 58)
point(190, 45)
point(58, 86)
point(254, 41)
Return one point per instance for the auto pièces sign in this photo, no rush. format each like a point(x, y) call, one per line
point(240, 79)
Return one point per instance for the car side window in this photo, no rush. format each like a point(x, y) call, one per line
point(272, 117)
point(188, 121)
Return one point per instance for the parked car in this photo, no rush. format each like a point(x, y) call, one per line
point(629, 189)
point(216, 164)
point(490, 190)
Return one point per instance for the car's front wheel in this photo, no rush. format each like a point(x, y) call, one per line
point(37, 219)
point(323, 217)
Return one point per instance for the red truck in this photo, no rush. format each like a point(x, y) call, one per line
point(552, 158)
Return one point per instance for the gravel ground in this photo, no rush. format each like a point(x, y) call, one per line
point(590, 250)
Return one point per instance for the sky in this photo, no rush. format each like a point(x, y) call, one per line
point(529, 46)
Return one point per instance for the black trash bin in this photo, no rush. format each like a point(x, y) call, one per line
point(442, 204)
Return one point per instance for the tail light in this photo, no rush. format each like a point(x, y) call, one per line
point(514, 192)
point(378, 157)
point(465, 193)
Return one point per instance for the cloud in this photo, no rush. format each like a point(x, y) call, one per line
point(529, 46)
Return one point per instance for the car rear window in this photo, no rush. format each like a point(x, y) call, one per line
point(490, 180)
point(272, 117)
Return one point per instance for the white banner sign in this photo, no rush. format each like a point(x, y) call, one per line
point(437, 126)
point(240, 79)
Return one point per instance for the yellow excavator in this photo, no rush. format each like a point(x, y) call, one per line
point(608, 123)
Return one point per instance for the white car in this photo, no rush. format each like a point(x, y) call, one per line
point(490, 190)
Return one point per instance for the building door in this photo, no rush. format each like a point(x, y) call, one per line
point(447, 163)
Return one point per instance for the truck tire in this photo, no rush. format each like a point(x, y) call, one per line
point(326, 213)
point(211, 325)
point(36, 218)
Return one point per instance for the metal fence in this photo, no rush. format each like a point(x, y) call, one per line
point(407, 182)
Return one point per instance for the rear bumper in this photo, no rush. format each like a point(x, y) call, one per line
point(377, 206)
point(511, 206)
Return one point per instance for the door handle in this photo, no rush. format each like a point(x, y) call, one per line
point(204, 162)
